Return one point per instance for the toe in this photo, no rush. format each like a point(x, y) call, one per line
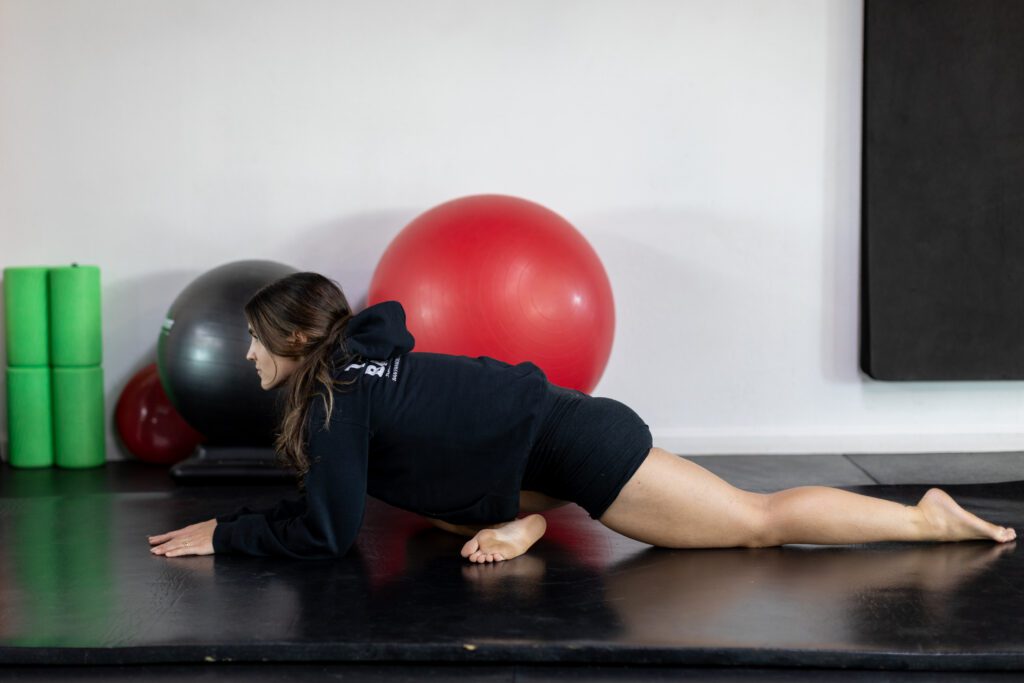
point(471, 546)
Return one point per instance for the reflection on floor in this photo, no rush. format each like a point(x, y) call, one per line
point(78, 586)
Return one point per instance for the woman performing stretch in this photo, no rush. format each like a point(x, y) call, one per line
point(473, 443)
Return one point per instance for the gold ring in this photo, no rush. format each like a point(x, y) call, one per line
point(187, 543)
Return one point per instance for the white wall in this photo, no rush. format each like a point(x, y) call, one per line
point(708, 150)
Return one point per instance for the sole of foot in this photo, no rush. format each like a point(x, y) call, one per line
point(506, 541)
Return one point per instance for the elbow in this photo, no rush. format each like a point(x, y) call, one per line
point(336, 547)
point(334, 539)
point(337, 550)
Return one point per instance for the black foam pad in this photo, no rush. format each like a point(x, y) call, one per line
point(943, 190)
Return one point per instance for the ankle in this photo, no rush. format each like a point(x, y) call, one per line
point(927, 527)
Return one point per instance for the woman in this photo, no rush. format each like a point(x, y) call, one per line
point(471, 443)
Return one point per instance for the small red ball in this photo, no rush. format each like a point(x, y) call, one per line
point(149, 425)
point(499, 276)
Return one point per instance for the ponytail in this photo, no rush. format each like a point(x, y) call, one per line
point(317, 307)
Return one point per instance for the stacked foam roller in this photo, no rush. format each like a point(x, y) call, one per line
point(55, 405)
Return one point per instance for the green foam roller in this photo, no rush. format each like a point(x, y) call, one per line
point(76, 339)
point(79, 434)
point(26, 316)
point(29, 417)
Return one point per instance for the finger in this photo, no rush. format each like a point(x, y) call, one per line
point(170, 545)
point(180, 550)
point(160, 538)
point(164, 541)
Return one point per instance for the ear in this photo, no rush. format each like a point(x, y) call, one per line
point(299, 337)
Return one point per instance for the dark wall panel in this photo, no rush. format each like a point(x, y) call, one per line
point(943, 190)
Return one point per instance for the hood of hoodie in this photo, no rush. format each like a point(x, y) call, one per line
point(379, 332)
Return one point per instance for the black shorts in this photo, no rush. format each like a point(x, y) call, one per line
point(586, 449)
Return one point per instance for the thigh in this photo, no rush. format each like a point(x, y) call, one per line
point(675, 503)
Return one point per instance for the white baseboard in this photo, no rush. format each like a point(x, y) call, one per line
point(789, 442)
point(772, 442)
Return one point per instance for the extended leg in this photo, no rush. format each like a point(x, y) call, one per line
point(673, 502)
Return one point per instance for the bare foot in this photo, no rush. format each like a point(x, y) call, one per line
point(950, 522)
point(505, 541)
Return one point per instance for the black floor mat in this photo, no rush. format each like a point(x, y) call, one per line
point(79, 586)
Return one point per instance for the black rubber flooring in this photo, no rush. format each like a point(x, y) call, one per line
point(78, 586)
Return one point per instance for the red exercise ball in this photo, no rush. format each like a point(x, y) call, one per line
point(149, 425)
point(499, 276)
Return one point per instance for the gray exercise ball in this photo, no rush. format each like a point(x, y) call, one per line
point(201, 357)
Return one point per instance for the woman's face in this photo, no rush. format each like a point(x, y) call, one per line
point(272, 369)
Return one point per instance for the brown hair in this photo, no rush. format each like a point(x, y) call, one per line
point(315, 306)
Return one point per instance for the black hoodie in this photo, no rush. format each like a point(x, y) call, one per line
point(440, 435)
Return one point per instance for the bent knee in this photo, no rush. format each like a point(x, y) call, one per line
point(440, 524)
point(535, 501)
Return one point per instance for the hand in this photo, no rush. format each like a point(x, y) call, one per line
point(195, 539)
